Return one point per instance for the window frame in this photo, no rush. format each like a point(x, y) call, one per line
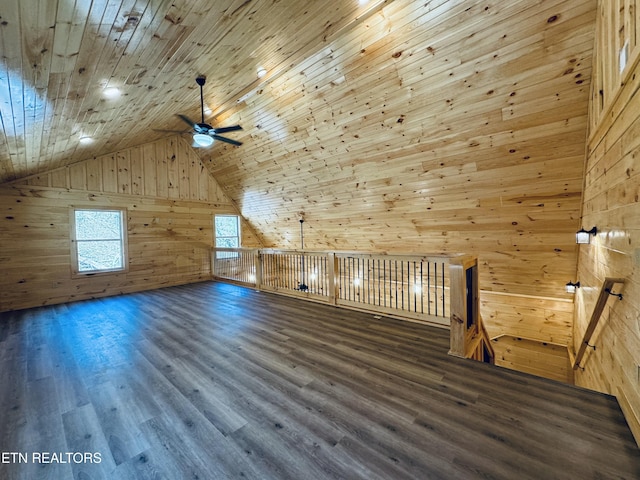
point(227, 255)
point(75, 266)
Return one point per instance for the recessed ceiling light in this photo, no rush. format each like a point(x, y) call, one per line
point(111, 92)
point(363, 2)
point(261, 72)
point(86, 140)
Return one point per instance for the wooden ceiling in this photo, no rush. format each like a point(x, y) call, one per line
point(444, 125)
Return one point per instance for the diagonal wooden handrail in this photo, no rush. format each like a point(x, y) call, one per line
point(595, 317)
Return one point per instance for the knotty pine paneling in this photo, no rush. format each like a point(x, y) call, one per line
point(616, 52)
point(59, 57)
point(169, 239)
point(537, 358)
point(169, 243)
point(440, 127)
point(167, 168)
point(612, 203)
point(541, 318)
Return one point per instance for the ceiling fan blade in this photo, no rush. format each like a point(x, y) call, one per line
point(187, 120)
point(227, 140)
point(234, 128)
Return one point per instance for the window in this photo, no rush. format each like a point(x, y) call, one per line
point(98, 240)
point(227, 233)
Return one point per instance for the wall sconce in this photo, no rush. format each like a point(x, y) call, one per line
point(571, 287)
point(584, 236)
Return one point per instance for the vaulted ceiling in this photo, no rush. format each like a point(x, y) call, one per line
point(442, 125)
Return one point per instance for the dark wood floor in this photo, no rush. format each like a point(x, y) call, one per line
point(213, 381)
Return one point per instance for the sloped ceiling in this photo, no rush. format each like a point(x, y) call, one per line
point(399, 125)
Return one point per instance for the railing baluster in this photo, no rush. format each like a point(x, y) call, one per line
point(378, 279)
point(390, 297)
point(243, 267)
point(421, 287)
point(293, 268)
point(353, 276)
point(435, 286)
point(274, 271)
point(361, 284)
point(429, 287)
point(401, 286)
point(338, 275)
point(443, 302)
point(368, 282)
point(384, 282)
point(341, 268)
point(416, 287)
point(395, 292)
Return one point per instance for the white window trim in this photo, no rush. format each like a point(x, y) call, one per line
point(75, 268)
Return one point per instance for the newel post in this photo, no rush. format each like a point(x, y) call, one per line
point(464, 308)
point(213, 262)
point(332, 262)
point(257, 259)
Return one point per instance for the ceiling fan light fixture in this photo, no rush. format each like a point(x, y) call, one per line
point(202, 140)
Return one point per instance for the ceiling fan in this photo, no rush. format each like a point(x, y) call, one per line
point(203, 133)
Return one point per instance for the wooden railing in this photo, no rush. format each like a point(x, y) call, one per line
point(440, 290)
point(416, 287)
point(605, 293)
point(408, 286)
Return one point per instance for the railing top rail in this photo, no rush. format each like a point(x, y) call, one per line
point(433, 257)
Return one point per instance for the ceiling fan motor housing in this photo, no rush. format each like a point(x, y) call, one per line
point(202, 127)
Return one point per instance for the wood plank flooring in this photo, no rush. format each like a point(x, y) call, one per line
point(216, 381)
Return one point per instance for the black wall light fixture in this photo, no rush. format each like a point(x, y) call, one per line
point(571, 287)
point(584, 236)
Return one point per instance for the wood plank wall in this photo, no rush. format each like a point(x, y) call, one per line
point(538, 318)
point(611, 202)
point(433, 127)
point(537, 358)
point(170, 200)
